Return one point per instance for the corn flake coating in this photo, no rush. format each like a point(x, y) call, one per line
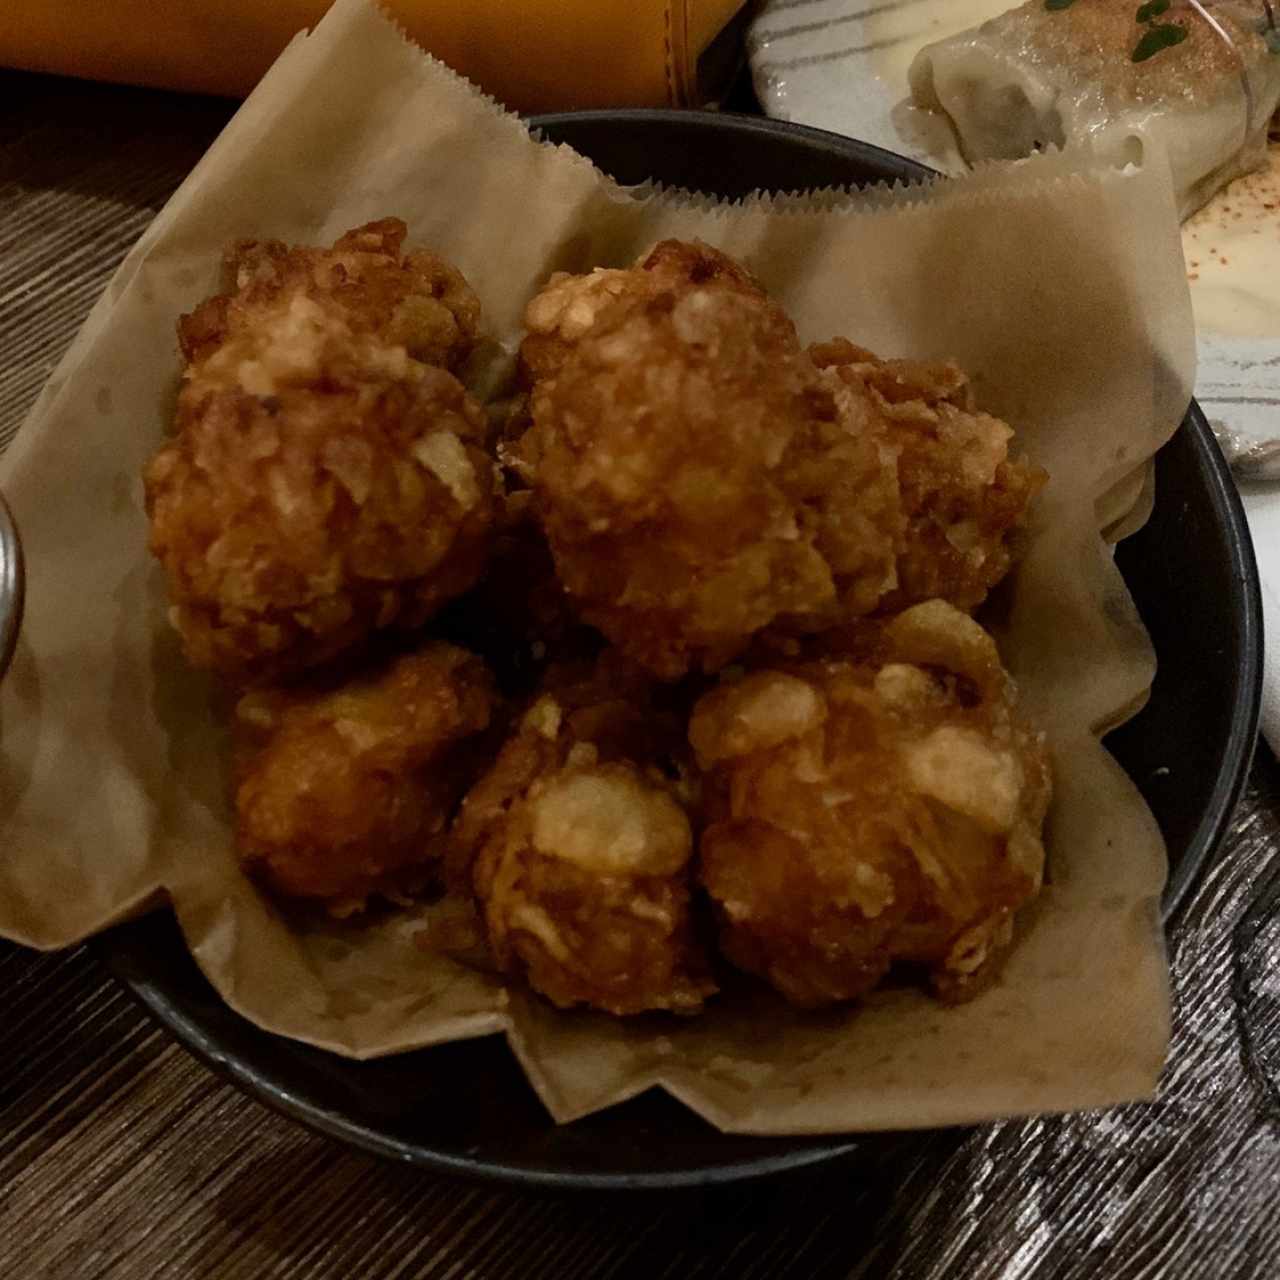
point(579, 849)
point(963, 498)
point(347, 792)
point(695, 479)
point(869, 813)
point(324, 483)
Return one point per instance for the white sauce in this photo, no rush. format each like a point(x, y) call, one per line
point(1232, 247)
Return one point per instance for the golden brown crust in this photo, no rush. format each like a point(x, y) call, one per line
point(616, 938)
point(698, 488)
point(963, 499)
point(578, 846)
point(701, 480)
point(324, 483)
point(293, 528)
point(673, 457)
point(416, 300)
point(601, 702)
point(868, 813)
point(345, 792)
point(567, 307)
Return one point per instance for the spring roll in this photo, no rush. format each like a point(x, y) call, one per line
point(1122, 75)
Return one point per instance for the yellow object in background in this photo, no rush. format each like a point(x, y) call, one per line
point(532, 55)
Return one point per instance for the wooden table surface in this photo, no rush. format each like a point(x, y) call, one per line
point(120, 1156)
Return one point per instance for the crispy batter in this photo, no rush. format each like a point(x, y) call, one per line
point(873, 812)
point(697, 484)
point(964, 500)
point(696, 481)
point(578, 845)
point(413, 300)
point(568, 306)
point(700, 479)
point(345, 792)
point(323, 483)
point(841, 472)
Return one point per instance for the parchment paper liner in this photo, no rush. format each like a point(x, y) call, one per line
point(1060, 287)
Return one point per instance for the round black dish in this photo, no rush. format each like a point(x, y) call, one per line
point(466, 1108)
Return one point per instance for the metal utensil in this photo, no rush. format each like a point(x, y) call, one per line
point(12, 585)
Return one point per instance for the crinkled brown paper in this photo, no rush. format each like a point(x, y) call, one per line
point(1060, 286)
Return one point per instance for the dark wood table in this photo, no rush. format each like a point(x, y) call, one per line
point(120, 1156)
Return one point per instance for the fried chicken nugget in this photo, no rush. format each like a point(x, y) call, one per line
point(567, 307)
point(693, 475)
point(324, 482)
point(965, 501)
point(579, 848)
point(346, 792)
point(413, 300)
point(872, 812)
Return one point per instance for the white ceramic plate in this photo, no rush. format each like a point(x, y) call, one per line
point(842, 65)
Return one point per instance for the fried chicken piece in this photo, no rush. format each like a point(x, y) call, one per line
point(567, 307)
point(844, 482)
point(324, 483)
point(870, 812)
point(695, 480)
point(579, 848)
point(365, 283)
point(964, 499)
point(701, 480)
point(346, 792)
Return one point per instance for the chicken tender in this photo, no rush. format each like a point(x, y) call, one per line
point(324, 482)
point(579, 848)
point(695, 480)
point(871, 812)
point(346, 792)
point(963, 498)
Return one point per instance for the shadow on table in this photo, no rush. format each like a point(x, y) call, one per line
point(811, 1224)
point(114, 1142)
point(122, 145)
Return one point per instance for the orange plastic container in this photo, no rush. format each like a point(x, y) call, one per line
point(533, 55)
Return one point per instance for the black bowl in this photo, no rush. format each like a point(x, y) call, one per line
point(466, 1108)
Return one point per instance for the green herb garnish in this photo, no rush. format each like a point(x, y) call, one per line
point(1158, 36)
point(1054, 5)
point(1152, 9)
